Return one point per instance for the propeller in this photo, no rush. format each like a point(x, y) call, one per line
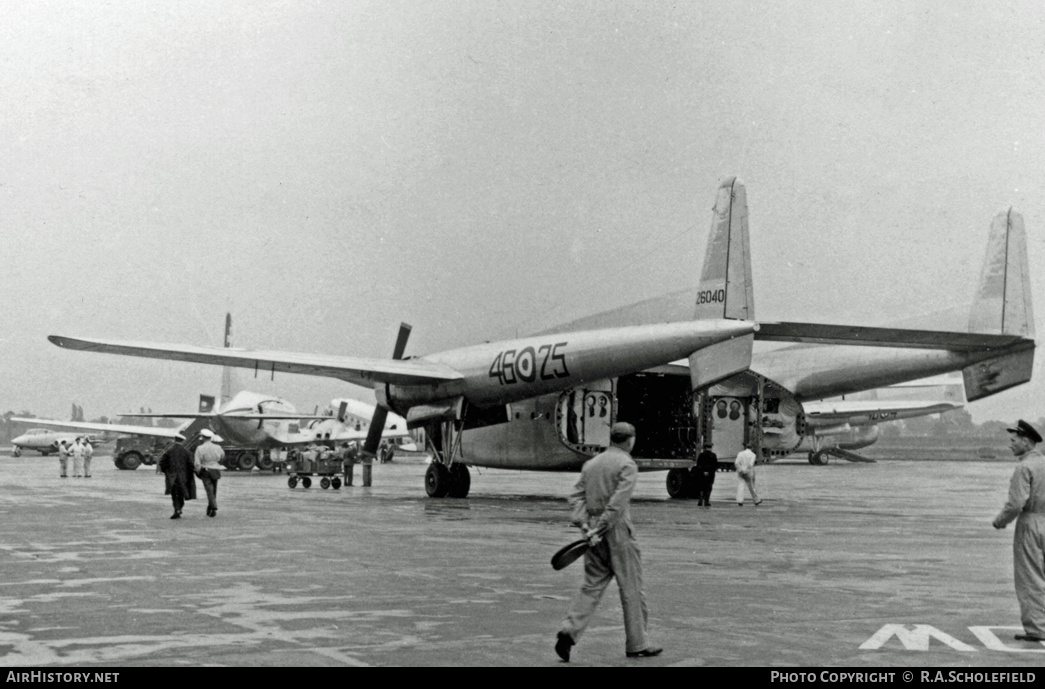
point(377, 422)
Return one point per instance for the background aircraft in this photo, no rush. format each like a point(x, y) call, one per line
point(766, 405)
point(546, 402)
point(46, 441)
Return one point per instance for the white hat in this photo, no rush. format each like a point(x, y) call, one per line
point(207, 433)
point(217, 439)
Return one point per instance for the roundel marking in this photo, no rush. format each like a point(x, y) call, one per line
point(526, 364)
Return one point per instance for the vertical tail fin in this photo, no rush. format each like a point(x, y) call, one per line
point(725, 287)
point(226, 371)
point(1003, 303)
point(725, 282)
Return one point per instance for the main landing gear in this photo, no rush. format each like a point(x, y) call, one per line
point(442, 482)
point(818, 457)
point(446, 476)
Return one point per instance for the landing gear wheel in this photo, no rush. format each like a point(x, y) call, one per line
point(678, 483)
point(265, 462)
point(292, 481)
point(17, 452)
point(818, 458)
point(246, 461)
point(306, 482)
point(437, 480)
point(324, 483)
point(460, 481)
point(335, 483)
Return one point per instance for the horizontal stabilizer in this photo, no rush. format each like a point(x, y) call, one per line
point(711, 364)
point(815, 333)
point(357, 370)
point(989, 377)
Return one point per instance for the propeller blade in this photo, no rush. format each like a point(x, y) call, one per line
point(377, 422)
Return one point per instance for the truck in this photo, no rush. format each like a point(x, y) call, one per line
point(131, 452)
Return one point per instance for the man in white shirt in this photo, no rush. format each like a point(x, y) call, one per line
point(63, 457)
point(745, 466)
point(77, 453)
point(88, 452)
point(207, 462)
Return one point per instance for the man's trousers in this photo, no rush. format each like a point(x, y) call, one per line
point(616, 556)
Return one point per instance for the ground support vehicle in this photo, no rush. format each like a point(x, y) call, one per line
point(303, 467)
point(131, 452)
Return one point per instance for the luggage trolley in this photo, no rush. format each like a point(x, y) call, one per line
point(301, 468)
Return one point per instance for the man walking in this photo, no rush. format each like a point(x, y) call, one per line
point(704, 473)
point(177, 465)
point(745, 467)
point(1026, 504)
point(600, 503)
point(208, 467)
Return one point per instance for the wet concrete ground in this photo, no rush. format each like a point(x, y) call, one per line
point(95, 573)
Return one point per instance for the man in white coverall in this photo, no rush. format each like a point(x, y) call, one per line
point(600, 502)
point(1026, 504)
point(745, 466)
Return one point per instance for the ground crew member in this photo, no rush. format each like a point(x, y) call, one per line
point(600, 502)
point(77, 453)
point(88, 452)
point(1026, 504)
point(349, 455)
point(208, 467)
point(63, 457)
point(704, 475)
point(177, 465)
point(745, 466)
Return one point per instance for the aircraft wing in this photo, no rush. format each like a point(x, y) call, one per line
point(867, 411)
point(337, 437)
point(815, 333)
point(105, 427)
point(358, 370)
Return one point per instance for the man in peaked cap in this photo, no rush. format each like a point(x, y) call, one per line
point(600, 502)
point(207, 463)
point(1026, 504)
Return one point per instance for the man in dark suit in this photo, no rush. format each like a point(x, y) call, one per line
point(177, 466)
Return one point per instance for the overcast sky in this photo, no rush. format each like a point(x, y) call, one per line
point(325, 170)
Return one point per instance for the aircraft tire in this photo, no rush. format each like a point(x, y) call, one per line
point(460, 481)
point(17, 452)
point(678, 483)
point(45, 452)
point(265, 462)
point(246, 460)
point(131, 461)
point(818, 458)
point(437, 480)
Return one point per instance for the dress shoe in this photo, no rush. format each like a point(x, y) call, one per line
point(1027, 637)
point(176, 515)
point(757, 503)
point(648, 652)
point(563, 644)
